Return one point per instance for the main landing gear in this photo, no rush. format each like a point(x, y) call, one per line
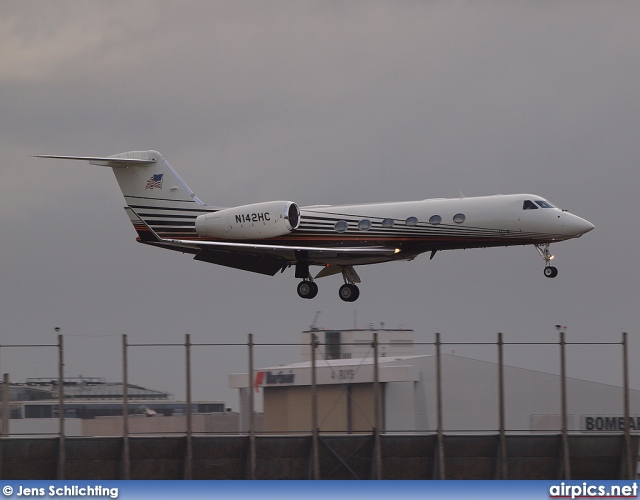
point(549, 270)
point(349, 292)
point(307, 289)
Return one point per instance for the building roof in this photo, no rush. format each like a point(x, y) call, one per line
point(81, 388)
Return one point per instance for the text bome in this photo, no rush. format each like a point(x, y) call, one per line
point(254, 217)
point(609, 423)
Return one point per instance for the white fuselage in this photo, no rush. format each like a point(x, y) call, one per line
point(439, 224)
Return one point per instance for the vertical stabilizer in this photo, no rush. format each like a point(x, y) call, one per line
point(158, 195)
point(152, 179)
point(153, 191)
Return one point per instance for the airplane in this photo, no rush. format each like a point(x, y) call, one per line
point(269, 237)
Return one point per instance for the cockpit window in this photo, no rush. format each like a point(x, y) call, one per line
point(544, 204)
point(529, 205)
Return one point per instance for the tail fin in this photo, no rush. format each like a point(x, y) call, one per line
point(154, 191)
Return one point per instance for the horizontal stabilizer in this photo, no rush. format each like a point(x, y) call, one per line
point(105, 161)
point(149, 183)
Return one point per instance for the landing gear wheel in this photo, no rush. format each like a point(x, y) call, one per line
point(349, 292)
point(550, 272)
point(307, 289)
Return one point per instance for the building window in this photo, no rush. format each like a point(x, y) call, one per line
point(341, 226)
point(387, 223)
point(435, 219)
point(411, 221)
point(364, 225)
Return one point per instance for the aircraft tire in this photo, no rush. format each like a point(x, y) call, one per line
point(550, 272)
point(349, 293)
point(307, 289)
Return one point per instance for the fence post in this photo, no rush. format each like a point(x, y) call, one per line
point(126, 464)
point(627, 432)
point(5, 407)
point(441, 469)
point(503, 439)
point(188, 469)
point(61, 437)
point(252, 431)
point(5, 404)
point(5, 415)
point(315, 438)
point(377, 407)
point(566, 462)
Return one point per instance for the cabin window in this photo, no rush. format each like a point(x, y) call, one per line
point(364, 225)
point(435, 219)
point(341, 226)
point(544, 204)
point(529, 205)
point(411, 221)
point(387, 223)
point(459, 218)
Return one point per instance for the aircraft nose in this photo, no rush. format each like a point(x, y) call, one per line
point(579, 226)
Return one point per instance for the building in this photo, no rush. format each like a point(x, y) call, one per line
point(345, 391)
point(357, 344)
point(93, 406)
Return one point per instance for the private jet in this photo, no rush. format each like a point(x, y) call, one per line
point(271, 236)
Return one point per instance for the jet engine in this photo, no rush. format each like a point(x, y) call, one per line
point(248, 222)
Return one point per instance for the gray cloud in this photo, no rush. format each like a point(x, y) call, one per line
point(317, 102)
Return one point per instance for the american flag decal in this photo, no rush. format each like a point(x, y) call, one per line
point(154, 182)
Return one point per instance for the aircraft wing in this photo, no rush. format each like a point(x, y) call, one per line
point(266, 258)
point(269, 259)
point(259, 247)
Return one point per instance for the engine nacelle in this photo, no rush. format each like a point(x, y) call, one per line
point(248, 222)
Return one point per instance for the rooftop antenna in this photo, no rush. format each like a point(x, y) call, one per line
point(313, 326)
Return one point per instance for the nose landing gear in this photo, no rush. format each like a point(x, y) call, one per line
point(549, 270)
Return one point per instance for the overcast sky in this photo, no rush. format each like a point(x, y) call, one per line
point(314, 102)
